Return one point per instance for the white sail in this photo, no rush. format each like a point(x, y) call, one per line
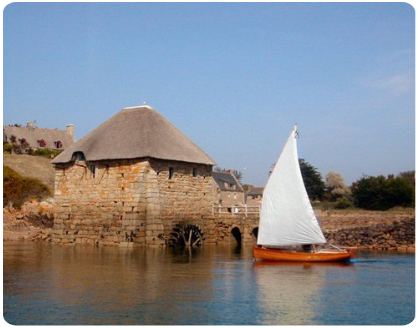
point(286, 216)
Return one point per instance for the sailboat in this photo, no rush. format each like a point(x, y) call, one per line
point(288, 228)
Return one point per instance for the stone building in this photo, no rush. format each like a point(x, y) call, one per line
point(229, 190)
point(131, 179)
point(37, 138)
point(254, 195)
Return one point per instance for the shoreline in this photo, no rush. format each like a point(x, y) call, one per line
point(390, 230)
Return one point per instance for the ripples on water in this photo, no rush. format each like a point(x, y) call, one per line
point(213, 285)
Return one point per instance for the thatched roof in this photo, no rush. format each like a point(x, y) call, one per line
point(136, 132)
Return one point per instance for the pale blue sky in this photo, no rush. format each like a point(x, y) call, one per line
point(234, 77)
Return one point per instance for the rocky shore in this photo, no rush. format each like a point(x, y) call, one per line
point(389, 230)
point(33, 221)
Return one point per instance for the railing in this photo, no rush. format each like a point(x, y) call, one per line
point(235, 210)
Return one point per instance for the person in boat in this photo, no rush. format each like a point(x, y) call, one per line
point(307, 248)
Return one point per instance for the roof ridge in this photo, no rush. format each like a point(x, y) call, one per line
point(139, 106)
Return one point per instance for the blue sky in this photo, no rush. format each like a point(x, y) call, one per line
point(234, 77)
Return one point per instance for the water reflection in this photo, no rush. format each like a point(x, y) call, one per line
point(288, 291)
point(128, 285)
point(115, 285)
point(81, 285)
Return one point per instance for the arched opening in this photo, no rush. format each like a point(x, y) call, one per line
point(237, 235)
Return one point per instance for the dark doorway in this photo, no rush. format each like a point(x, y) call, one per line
point(255, 232)
point(237, 235)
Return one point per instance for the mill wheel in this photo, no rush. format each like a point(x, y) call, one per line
point(186, 235)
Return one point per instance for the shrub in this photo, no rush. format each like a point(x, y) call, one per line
point(49, 153)
point(342, 204)
point(7, 148)
point(380, 193)
point(18, 189)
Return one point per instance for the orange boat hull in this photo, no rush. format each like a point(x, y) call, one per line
point(266, 254)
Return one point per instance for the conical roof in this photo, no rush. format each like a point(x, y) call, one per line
point(136, 132)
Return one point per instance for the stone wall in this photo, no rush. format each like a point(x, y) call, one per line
point(225, 229)
point(393, 229)
point(397, 235)
point(230, 198)
point(113, 202)
point(375, 230)
point(388, 230)
point(140, 201)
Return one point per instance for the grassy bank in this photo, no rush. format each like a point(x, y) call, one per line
point(36, 167)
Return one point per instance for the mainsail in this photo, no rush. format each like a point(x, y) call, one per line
point(286, 216)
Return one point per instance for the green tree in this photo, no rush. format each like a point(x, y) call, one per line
point(381, 193)
point(409, 176)
point(312, 180)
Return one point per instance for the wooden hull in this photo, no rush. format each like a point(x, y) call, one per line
point(268, 254)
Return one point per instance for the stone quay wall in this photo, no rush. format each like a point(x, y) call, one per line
point(359, 229)
point(114, 202)
point(227, 229)
point(393, 229)
point(398, 235)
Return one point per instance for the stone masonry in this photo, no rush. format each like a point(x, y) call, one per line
point(134, 200)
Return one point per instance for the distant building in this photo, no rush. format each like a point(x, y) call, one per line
point(229, 190)
point(36, 138)
point(130, 180)
point(254, 195)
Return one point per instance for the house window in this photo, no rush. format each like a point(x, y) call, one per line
point(42, 143)
point(58, 144)
point(92, 168)
point(194, 172)
point(170, 173)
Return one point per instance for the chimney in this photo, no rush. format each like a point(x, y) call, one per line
point(70, 130)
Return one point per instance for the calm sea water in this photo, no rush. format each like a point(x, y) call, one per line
point(47, 284)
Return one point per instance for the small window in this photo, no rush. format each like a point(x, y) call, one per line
point(42, 143)
point(78, 156)
point(170, 173)
point(92, 168)
point(194, 172)
point(58, 144)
